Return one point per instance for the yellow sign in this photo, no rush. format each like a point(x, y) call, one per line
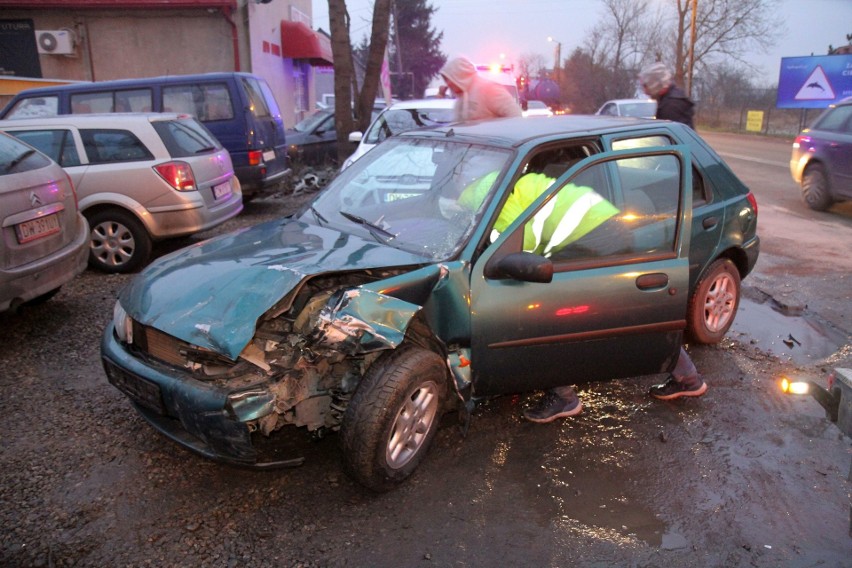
point(754, 121)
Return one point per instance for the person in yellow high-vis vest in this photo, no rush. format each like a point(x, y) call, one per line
point(574, 213)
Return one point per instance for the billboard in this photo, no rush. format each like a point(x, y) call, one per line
point(815, 81)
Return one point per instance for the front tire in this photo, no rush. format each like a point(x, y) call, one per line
point(714, 302)
point(393, 417)
point(119, 242)
point(815, 190)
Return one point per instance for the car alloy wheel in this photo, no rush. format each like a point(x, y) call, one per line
point(119, 243)
point(393, 417)
point(714, 302)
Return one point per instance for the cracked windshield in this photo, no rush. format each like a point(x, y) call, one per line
point(421, 196)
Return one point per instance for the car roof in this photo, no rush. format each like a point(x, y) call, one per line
point(112, 83)
point(104, 120)
point(628, 101)
point(423, 103)
point(512, 132)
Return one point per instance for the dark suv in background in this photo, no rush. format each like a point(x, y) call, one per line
point(822, 157)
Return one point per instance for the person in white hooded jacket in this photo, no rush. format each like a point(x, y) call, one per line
point(476, 97)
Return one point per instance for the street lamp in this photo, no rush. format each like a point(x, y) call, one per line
point(557, 68)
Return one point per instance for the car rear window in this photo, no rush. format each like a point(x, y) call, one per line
point(186, 137)
point(109, 146)
point(838, 119)
point(56, 143)
point(16, 157)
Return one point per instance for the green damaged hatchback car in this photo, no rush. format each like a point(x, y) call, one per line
point(446, 264)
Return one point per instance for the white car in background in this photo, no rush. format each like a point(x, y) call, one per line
point(398, 118)
point(639, 108)
point(537, 108)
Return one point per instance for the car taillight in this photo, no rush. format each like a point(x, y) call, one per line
point(73, 191)
point(801, 141)
point(178, 175)
point(255, 157)
point(753, 200)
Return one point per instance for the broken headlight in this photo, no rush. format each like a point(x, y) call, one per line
point(122, 323)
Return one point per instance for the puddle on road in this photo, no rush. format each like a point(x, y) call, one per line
point(799, 337)
point(590, 470)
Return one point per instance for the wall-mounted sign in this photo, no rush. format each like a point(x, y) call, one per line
point(18, 49)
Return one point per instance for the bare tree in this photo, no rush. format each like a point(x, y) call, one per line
point(725, 30)
point(345, 79)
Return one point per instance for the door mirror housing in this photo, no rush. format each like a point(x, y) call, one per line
point(522, 266)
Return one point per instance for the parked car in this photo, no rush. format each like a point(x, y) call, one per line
point(401, 117)
point(313, 141)
point(238, 108)
point(639, 108)
point(822, 157)
point(537, 108)
point(408, 287)
point(45, 238)
point(139, 177)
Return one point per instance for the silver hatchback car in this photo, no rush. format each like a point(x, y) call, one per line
point(140, 178)
point(44, 236)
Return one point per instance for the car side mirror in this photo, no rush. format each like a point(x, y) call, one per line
point(522, 266)
point(355, 136)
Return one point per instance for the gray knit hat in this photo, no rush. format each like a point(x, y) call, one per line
point(655, 78)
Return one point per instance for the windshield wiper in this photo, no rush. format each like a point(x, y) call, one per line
point(380, 234)
point(318, 216)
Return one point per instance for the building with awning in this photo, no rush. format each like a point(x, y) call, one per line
point(95, 40)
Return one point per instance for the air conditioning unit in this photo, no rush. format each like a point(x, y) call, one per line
point(55, 42)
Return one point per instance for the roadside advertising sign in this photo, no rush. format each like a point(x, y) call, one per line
point(814, 82)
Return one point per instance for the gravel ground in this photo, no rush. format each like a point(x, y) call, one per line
point(743, 477)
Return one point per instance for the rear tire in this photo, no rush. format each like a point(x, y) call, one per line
point(815, 189)
point(714, 302)
point(119, 242)
point(392, 419)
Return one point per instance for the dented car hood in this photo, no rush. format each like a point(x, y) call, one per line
point(212, 294)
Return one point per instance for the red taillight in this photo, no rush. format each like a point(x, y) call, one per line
point(255, 157)
point(73, 191)
point(753, 200)
point(178, 175)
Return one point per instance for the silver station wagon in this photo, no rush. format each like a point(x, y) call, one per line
point(139, 177)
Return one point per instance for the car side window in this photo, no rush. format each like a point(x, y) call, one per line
point(58, 144)
point(699, 191)
point(111, 146)
point(593, 218)
point(31, 107)
point(204, 101)
point(838, 119)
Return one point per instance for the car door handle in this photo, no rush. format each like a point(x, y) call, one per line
point(652, 281)
point(710, 222)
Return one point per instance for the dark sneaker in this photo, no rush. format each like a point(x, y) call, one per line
point(672, 389)
point(553, 406)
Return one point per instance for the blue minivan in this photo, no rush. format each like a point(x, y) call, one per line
point(238, 108)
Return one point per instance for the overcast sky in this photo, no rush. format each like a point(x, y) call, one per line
point(484, 29)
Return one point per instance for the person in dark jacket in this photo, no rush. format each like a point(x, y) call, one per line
point(672, 103)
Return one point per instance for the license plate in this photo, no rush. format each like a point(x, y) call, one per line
point(37, 228)
point(138, 389)
point(269, 155)
point(221, 190)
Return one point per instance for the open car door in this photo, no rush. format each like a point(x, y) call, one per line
point(615, 232)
